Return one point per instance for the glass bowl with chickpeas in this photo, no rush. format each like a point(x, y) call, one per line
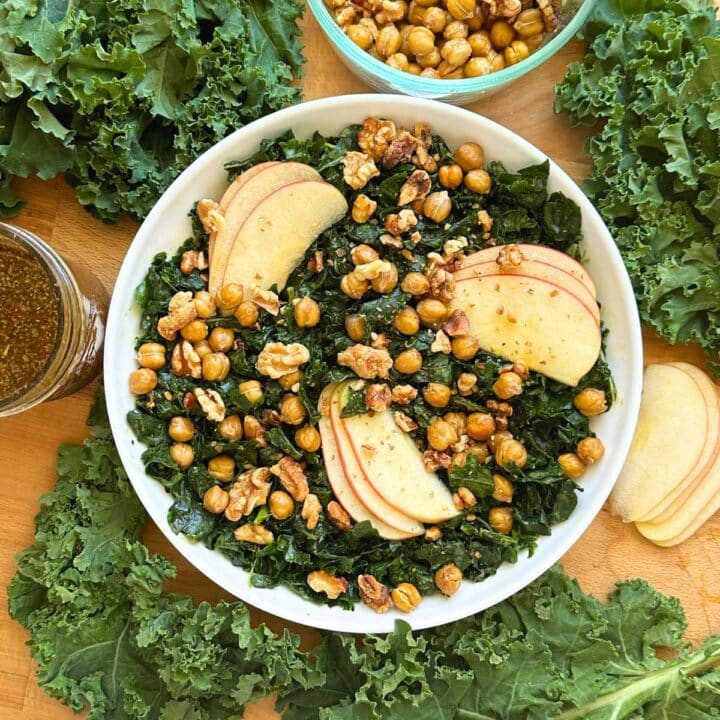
point(451, 50)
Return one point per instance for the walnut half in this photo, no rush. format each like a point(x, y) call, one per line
point(277, 359)
point(366, 362)
point(321, 581)
point(374, 594)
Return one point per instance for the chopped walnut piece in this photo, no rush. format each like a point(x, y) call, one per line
point(400, 151)
point(378, 397)
point(379, 341)
point(190, 261)
point(424, 160)
point(391, 240)
point(434, 460)
point(442, 284)
point(457, 324)
point(363, 208)
point(485, 221)
point(454, 248)
point(316, 263)
point(210, 216)
point(399, 223)
point(254, 533)
point(211, 404)
point(366, 362)
point(181, 312)
point(277, 359)
point(464, 499)
point(404, 394)
point(375, 137)
point(311, 511)
point(321, 581)
point(345, 16)
point(441, 343)
point(433, 534)
point(422, 134)
point(358, 169)
point(404, 422)
point(416, 187)
point(249, 491)
point(185, 362)
point(338, 516)
point(267, 300)
point(292, 477)
point(374, 594)
point(372, 270)
point(548, 8)
point(509, 257)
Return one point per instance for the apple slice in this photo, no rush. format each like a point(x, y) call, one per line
point(232, 190)
point(393, 466)
point(541, 254)
point(369, 498)
point(276, 234)
point(663, 452)
point(527, 319)
point(541, 270)
point(245, 200)
point(671, 504)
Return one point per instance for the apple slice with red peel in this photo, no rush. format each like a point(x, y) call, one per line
point(663, 453)
point(523, 318)
point(393, 466)
point(541, 254)
point(541, 270)
point(232, 190)
point(243, 203)
point(276, 233)
point(672, 503)
point(368, 496)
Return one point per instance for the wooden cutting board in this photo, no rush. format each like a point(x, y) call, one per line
point(608, 551)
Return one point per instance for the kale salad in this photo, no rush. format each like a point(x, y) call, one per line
point(242, 390)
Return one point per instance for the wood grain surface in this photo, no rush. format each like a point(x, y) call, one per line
point(608, 551)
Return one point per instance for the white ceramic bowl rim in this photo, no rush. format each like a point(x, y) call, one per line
point(167, 226)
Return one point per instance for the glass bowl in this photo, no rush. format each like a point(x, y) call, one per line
point(384, 78)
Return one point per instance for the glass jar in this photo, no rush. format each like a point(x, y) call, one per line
point(68, 315)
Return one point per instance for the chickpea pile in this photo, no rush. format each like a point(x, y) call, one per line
point(451, 39)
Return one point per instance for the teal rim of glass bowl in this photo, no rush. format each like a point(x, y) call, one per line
point(408, 83)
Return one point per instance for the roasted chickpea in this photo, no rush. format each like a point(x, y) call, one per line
point(456, 51)
point(406, 597)
point(355, 327)
point(478, 181)
point(508, 385)
point(221, 468)
point(437, 394)
point(590, 449)
point(503, 488)
point(458, 421)
point(480, 43)
point(387, 281)
point(407, 321)
point(427, 3)
point(516, 52)
point(498, 438)
point(388, 41)
point(431, 311)
point(307, 313)
point(360, 35)
point(221, 339)
point(477, 67)
point(215, 500)
point(441, 435)
point(501, 520)
point(415, 283)
point(415, 14)
point(447, 70)
point(501, 34)
point(307, 438)
point(281, 505)
point(247, 313)
point(143, 381)
point(202, 348)
point(465, 347)
point(435, 19)
point(437, 206)
point(182, 455)
point(231, 428)
point(448, 579)
point(533, 42)
point(215, 367)
point(430, 73)
point(466, 383)
point(469, 156)
point(414, 68)
point(195, 331)
point(496, 60)
point(572, 466)
point(461, 9)
point(252, 391)
point(292, 410)
point(529, 22)
point(151, 355)
point(286, 382)
point(450, 176)
point(353, 286)
point(455, 30)
point(590, 402)
point(204, 304)
point(229, 297)
point(181, 429)
point(398, 61)
point(420, 40)
point(480, 426)
point(429, 60)
point(511, 453)
point(363, 254)
point(408, 361)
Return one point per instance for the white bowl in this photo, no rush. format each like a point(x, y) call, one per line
point(168, 225)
